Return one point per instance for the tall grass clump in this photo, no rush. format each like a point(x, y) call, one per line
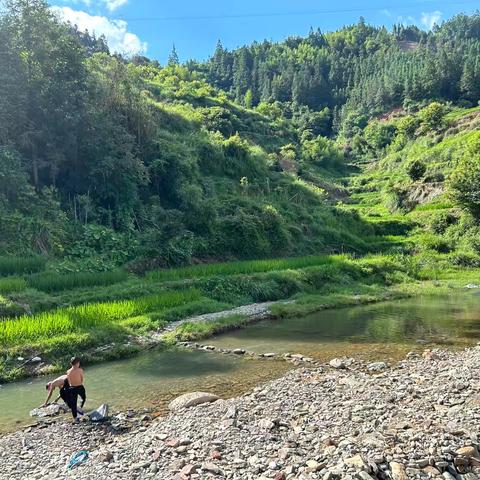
point(20, 265)
point(55, 282)
point(235, 268)
point(12, 284)
point(24, 329)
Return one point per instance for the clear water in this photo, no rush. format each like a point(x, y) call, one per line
point(378, 331)
point(149, 380)
point(383, 330)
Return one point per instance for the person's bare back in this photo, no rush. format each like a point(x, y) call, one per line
point(75, 376)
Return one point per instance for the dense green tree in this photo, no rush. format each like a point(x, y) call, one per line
point(359, 67)
point(45, 89)
point(432, 117)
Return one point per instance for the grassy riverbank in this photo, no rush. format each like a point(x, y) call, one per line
point(106, 322)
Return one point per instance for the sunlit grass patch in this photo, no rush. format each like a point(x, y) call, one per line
point(25, 329)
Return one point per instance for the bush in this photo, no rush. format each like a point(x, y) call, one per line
point(440, 221)
point(432, 117)
point(464, 182)
point(465, 259)
point(379, 135)
point(432, 242)
point(416, 170)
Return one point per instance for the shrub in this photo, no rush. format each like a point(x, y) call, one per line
point(432, 117)
point(465, 259)
point(433, 242)
point(407, 126)
point(416, 169)
point(464, 182)
point(440, 221)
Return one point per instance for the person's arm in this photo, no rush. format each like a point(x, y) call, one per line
point(50, 392)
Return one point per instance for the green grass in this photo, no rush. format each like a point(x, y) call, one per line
point(235, 268)
point(55, 282)
point(190, 331)
point(20, 265)
point(458, 113)
point(25, 329)
point(12, 284)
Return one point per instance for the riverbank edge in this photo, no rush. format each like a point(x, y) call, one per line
point(201, 327)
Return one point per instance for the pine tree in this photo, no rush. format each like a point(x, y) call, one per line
point(470, 81)
point(173, 59)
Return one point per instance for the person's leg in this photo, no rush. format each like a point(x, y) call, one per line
point(73, 397)
point(64, 395)
point(82, 394)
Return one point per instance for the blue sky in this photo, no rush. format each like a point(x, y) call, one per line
point(152, 26)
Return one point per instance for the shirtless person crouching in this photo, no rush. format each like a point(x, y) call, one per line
point(51, 386)
point(75, 389)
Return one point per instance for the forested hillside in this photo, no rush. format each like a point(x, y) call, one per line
point(106, 161)
point(352, 73)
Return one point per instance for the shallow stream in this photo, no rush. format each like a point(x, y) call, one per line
point(383, 331)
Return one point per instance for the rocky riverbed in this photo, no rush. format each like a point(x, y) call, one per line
point(344, 420)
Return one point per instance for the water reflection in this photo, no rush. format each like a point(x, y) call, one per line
point(448, 320)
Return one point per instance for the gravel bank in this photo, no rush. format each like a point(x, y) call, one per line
point(418, 419)
point(253, 310)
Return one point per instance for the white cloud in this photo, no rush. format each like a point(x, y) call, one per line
point(386, 12)
point(113, 4)
point(115, 31)
point(110, 5)
point(430, 19)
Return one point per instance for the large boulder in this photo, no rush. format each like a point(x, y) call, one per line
point(191, 400)
point(51, 410)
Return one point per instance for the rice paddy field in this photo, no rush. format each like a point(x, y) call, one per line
point(50, 314)
point(34, 328)
point(54, 282)
point(20, 265)
point(236, 268)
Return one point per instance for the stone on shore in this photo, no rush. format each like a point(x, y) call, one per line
point(192, 400)
point(398, 471)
